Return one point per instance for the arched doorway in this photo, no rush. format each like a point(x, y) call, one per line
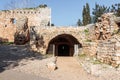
point(63, 50)
point(63, 45)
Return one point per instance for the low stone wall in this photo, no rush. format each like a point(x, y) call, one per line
point(106, 51)
point(109, 52)
point(89, 48)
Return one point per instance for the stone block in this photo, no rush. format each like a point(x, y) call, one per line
point(118, 62)
point(96, 70)
point(51, 66)
point(115, 58)
point(117, 54)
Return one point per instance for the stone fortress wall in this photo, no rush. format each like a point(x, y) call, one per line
point(8, 19)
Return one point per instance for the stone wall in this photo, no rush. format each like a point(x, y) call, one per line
point(36, 17)
point(48, 33)
point(89, 48)
point(7, 33)
point(109, 52)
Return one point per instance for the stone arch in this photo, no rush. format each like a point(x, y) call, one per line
point(64, 45)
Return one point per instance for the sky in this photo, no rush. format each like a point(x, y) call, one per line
point(64, 12)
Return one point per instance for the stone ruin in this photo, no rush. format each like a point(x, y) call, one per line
point(105, 26)
point(36, 40)
point(22, 31)
point(109, 52)
point(104, 46)
point(108, 39)
point(32, 25)
point(11, 20)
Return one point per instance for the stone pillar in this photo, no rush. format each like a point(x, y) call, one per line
point(53, 50)
point(76, 50)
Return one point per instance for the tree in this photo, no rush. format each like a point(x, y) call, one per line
point(113, 8)
point(98, 11)
point(43, 6)
point(116, 9)
point(79, 23)
point(52, 24)
point(86, 14)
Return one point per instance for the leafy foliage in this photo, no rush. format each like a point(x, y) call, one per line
point(86, 31)
point(82, 55)
point(42, 6)
point(88, 40)
point(86, 15)
point(98, 11)
point(52, 24)
point(116, 8)
point(79, 23)
point(7, 43)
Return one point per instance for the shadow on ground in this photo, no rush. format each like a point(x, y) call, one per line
point(11, 55)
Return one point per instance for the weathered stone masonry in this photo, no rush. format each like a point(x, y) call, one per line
point(8, 19)
point(52, 33)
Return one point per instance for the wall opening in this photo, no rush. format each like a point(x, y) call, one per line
point(13, 20)
point(64, 45)
point(63, 50)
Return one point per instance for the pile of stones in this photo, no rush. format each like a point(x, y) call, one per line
point(105, 26)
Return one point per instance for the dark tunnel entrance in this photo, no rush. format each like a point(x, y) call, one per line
point(63, 50)
point(63, 45)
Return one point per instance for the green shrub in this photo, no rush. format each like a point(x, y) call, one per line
point(86, 30)
point(7, 43)
point(88, 40)
point(82, 55)
point(96, 62)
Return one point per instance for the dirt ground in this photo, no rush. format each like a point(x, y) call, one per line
point(18, 63)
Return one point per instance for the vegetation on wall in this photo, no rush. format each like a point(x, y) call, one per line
point(6, 43)
point(42, 6)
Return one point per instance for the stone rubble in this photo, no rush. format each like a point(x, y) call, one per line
point(103, 71)
point(105, 26)
point(52, 65)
